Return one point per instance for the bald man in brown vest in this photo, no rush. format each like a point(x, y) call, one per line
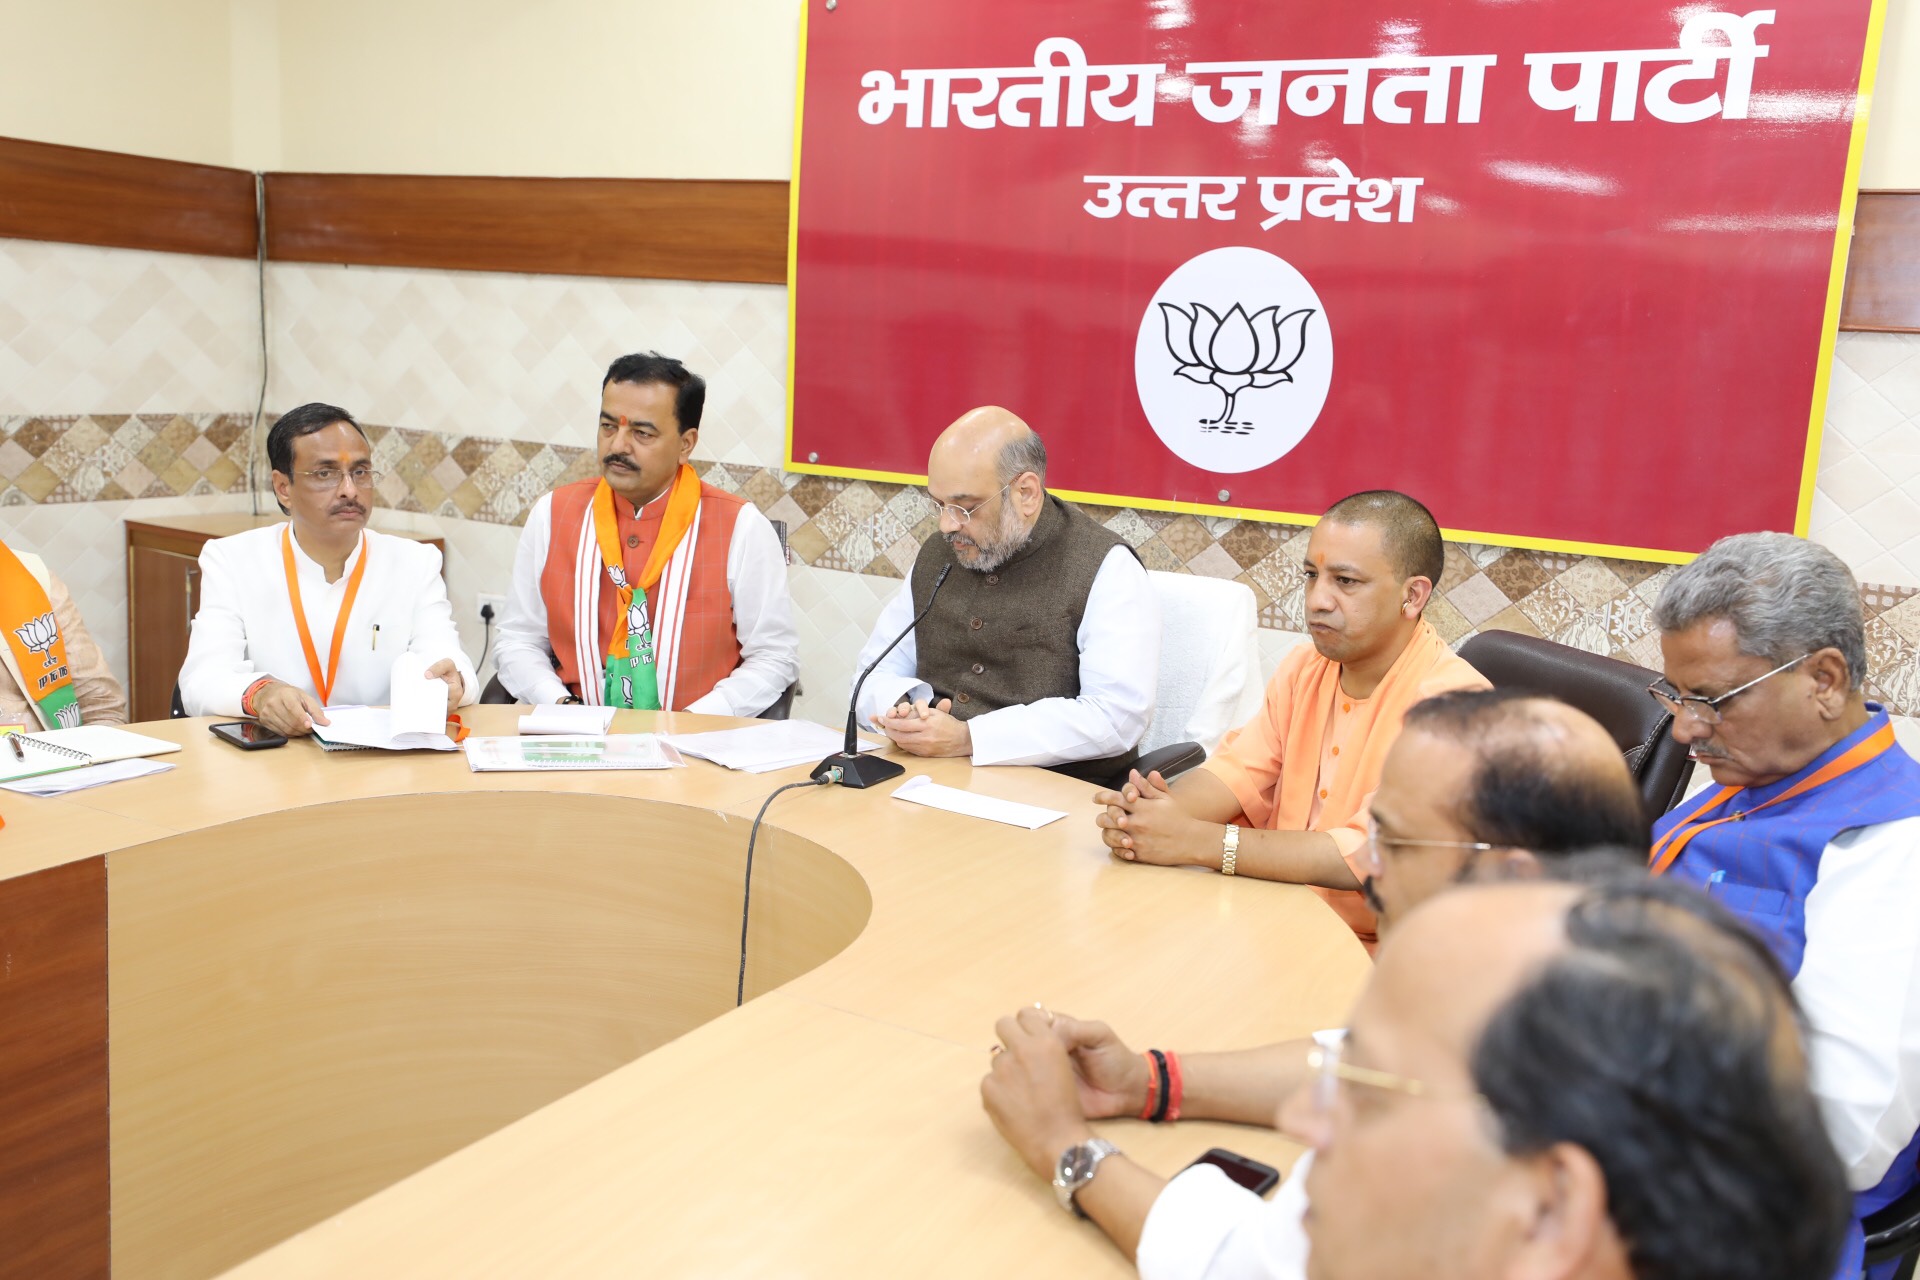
point(1043, 644)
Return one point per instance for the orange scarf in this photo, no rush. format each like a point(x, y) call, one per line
point(322, 682)
point(39, 651)
point(1667, 850)
point(630, 677)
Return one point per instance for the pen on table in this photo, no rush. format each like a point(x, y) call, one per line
point(13, 740)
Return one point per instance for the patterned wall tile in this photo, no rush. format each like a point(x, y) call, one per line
point(125, 331)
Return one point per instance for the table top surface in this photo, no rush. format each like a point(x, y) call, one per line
point(832, 1125)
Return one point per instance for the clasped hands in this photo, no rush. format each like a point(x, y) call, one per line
point(293, 712)
point(926, 729)
point(1050, 1075)
point(1142, 822)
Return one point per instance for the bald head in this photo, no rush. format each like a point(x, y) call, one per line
point(1539, 781)
point(984, 449)
point(1546, 777)
point(1408, 530)
point(988, 471)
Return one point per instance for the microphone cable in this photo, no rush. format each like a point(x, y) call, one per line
point(746, 897)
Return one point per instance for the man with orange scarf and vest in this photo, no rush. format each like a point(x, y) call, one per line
point(1811, 831)
point(51, 673)
point(647, 588)
point(1286, 797)
point(298, 617)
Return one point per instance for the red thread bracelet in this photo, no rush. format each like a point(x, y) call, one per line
point(1153, 1087)
point(246, 699)
point(1175, 1089)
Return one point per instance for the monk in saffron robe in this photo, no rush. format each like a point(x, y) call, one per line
point(1286, 797)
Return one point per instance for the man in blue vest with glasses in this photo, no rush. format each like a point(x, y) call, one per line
point(1811, 831)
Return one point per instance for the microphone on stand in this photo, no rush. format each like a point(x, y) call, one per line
point(848, 767)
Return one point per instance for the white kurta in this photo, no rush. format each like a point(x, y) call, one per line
point(1119, 642)
point(245, 627)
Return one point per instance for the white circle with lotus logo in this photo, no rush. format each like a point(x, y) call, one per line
point(1233, 359)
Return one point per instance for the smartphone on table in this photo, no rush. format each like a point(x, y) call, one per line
point(247, 735)
point(1249, 1173)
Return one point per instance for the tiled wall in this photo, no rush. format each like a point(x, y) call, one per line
point(480, 391)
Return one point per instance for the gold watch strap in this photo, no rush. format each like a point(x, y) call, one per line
point(1229, 849)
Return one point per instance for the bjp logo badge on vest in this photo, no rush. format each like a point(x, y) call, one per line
point(38, 635)
point(1233, 359)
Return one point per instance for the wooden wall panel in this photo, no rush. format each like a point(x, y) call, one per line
point(1883, 272)
point(676, 230)
point(54, 1194)
point(78, 196)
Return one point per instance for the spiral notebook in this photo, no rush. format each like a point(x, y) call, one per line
point(58, 750)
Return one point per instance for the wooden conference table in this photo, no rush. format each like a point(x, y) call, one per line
point(376, 1015)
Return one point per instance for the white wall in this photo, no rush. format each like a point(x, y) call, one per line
point(122, 75)
point(1892, 158)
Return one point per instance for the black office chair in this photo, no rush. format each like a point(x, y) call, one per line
point(176, 710)
point(1611, 691)
point(1894, 1232)
point(495, 694)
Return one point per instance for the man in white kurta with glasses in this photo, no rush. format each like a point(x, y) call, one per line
point(314, 612)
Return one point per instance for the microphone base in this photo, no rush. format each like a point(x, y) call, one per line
point(858, 770)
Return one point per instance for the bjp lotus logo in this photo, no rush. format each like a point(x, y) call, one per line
point(1227, 323)
point(38, 635)
point(1235, 352)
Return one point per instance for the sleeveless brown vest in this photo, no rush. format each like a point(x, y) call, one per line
point(1009, 637)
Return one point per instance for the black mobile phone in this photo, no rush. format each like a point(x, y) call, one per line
point(1251, 1174)
point(247, 735)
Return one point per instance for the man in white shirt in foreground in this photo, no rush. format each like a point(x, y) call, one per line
point(314, 612)
point(1540, 1082)
point(1042, 646)
point(1480, 784)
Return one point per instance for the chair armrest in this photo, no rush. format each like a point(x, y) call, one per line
point(1171, 761)
point(1894, 1231)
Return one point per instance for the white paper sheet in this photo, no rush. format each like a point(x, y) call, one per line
point(920, 789)
point(349, 727)
point(569, 719)
point(762, 748)
point(416, 702)
point(58, 784)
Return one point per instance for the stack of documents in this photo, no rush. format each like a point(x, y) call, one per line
point(416, 720)
point(762, 748)
point(609, 751)
point(376, 729)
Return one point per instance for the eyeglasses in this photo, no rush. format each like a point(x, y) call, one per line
point(962, 514)
point(1707, 710)
point(1377, 842)
point(325, 479)
point(1329, 1071)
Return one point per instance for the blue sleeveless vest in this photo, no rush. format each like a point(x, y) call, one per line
point(1763, 870)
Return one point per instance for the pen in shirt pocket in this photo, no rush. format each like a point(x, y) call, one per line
point(1716, 878)
point(376, 635)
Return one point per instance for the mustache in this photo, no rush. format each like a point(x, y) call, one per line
point(1708, 753)
point(341, 508)
point(1372, 895)
point(618, 460)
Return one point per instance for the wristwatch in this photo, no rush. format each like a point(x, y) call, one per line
point(1076, 1168)
point(1229, 849)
